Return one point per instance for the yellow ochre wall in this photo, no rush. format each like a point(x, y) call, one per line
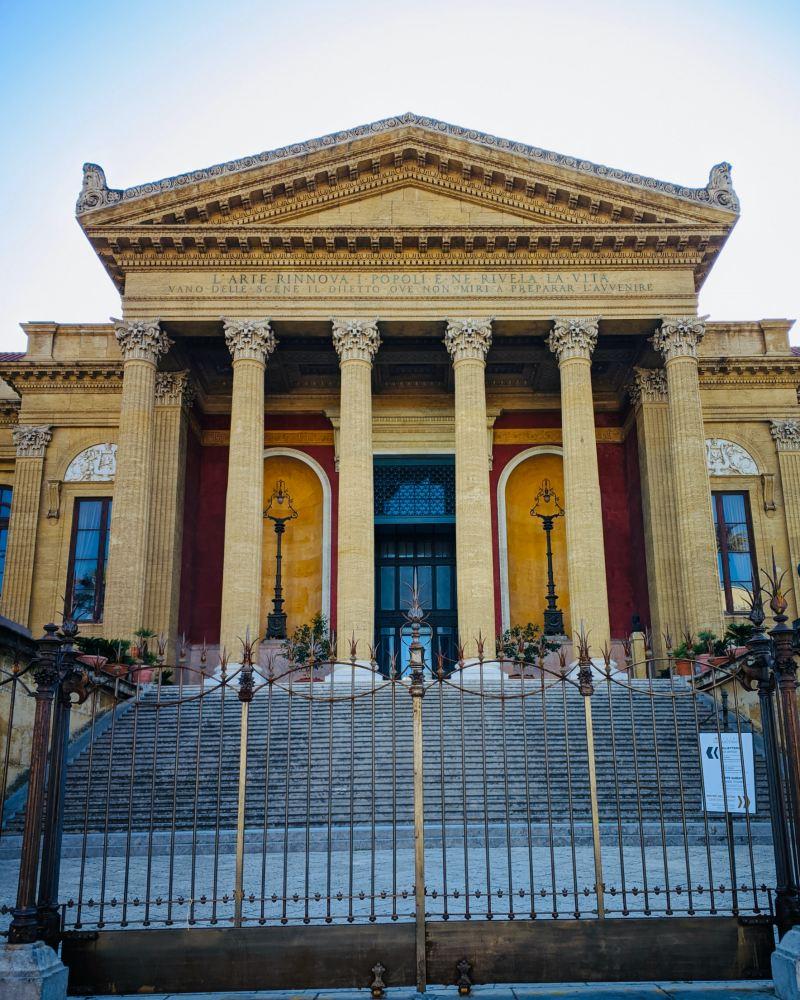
point(302, 542)
point(527, 560)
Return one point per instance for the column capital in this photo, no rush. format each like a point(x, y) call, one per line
point(468, 339)
point(574, 337)
point(31, 440)
point(174, 389)
point(678, 336)
point(648, 385)
point(141, 339)
point(356, 339)
point(786, 434)
point(249, 339)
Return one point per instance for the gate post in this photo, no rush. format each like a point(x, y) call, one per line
point(758, 668)
point(586, 688)
point(417, 691)
point(70, 681)
point(24, 928)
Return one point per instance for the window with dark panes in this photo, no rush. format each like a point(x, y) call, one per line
point(5, 515)
point(87, 559)
point(736, 559)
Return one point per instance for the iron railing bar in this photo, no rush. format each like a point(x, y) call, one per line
point(465, 805)
point(128, 825)
point(178, 713)
point(352, 790)
point(615, 765)
point(329, 845)
point(706, 831)
point(373, 804)
point(193, 863)
point(639, 811)
point(394, 795)
point(728, 830)
point(220, 753)
point(657, 762)
point(545, 744)
point(443, 799)
point(309, 766)
point(85, 834)
point(488, 851)
point(570, 803)
point(523, 712)
point(504, 742)
point(286, 799)
point(679, 762)
point(754, 792)
point(106, 816)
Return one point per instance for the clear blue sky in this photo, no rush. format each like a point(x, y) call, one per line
point(151, 89)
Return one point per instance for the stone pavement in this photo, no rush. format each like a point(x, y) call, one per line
point(737, 990)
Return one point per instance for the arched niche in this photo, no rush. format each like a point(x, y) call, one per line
point(521, 539)
point(306, 546)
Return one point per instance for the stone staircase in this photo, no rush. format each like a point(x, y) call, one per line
point(489, 761)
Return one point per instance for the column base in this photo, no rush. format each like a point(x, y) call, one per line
point(786, 966)
point(31, 972)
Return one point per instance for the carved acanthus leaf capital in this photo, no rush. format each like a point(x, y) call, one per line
point(249, 339)
point(648, 385)
point(174, 389)
point(356, 339)
point(574, 337)
point(468, 339)
point(786, 434)
point(141, 339)
point(679, 336)
point(31, 440)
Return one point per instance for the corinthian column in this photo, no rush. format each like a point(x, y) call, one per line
point(142, 342)
point(356, 342)
point(648, 392)
point(174, 395)
point(30, 442)
point(677, 341)
point(786, 434)
point(468, 342)
point(250, 341)
point(573, 341)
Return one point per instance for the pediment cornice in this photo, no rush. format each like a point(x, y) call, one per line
point(350, 144)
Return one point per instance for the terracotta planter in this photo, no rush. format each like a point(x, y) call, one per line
point(683, 668)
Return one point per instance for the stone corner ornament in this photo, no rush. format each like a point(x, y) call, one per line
point(174, 389)
point(648, 385)
point(249, 339)
point(786, 434)
point(31, 440)
point(95, 192)
point(574, 337)
point(679, 336)
point(468, 339)
point(727, 458)
point(141, 339)
point(356, 339)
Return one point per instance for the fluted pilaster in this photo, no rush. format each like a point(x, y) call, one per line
point(174, 394)
point(786, 434)
point(31, 443)
point(648, 392)
point(677, 340)
point(250, 342)
point(356, 342)
point(468, 342)
point(142, 343)
point(573, 341)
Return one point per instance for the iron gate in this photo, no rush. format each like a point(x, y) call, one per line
point(483, 821)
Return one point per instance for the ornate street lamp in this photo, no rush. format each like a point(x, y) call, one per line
point(547, 508)
point(279, 510)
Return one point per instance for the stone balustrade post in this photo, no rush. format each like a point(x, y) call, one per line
point(648, 393)
point(468, 342)
point(356, 342)
point(30, 442)
point(142, 343)
point(677, 340)
point(250, 342)
point(573, 341)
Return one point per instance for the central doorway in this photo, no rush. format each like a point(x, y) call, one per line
point(415, 537)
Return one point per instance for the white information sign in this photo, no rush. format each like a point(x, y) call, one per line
point(736, 752)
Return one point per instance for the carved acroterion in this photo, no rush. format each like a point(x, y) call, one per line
point(356, 339)
point(95, 192)
point(249, 339)
point(573, 338)
point(468, 339)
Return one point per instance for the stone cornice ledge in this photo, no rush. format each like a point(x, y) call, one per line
point(717, 193)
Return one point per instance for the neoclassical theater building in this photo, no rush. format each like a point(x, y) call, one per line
point(412, 325)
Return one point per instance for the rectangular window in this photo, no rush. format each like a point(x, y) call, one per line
point(87, 559)
point(5, 514)
point(736, 559)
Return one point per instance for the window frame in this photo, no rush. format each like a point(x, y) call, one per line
point(5, 522)
point(102, 555)
point(722, 545)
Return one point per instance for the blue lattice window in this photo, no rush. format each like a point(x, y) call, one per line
point(414, 490)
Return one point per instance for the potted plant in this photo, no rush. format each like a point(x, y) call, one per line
point(523, 646)
point(309, 647)
point(109, 656)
